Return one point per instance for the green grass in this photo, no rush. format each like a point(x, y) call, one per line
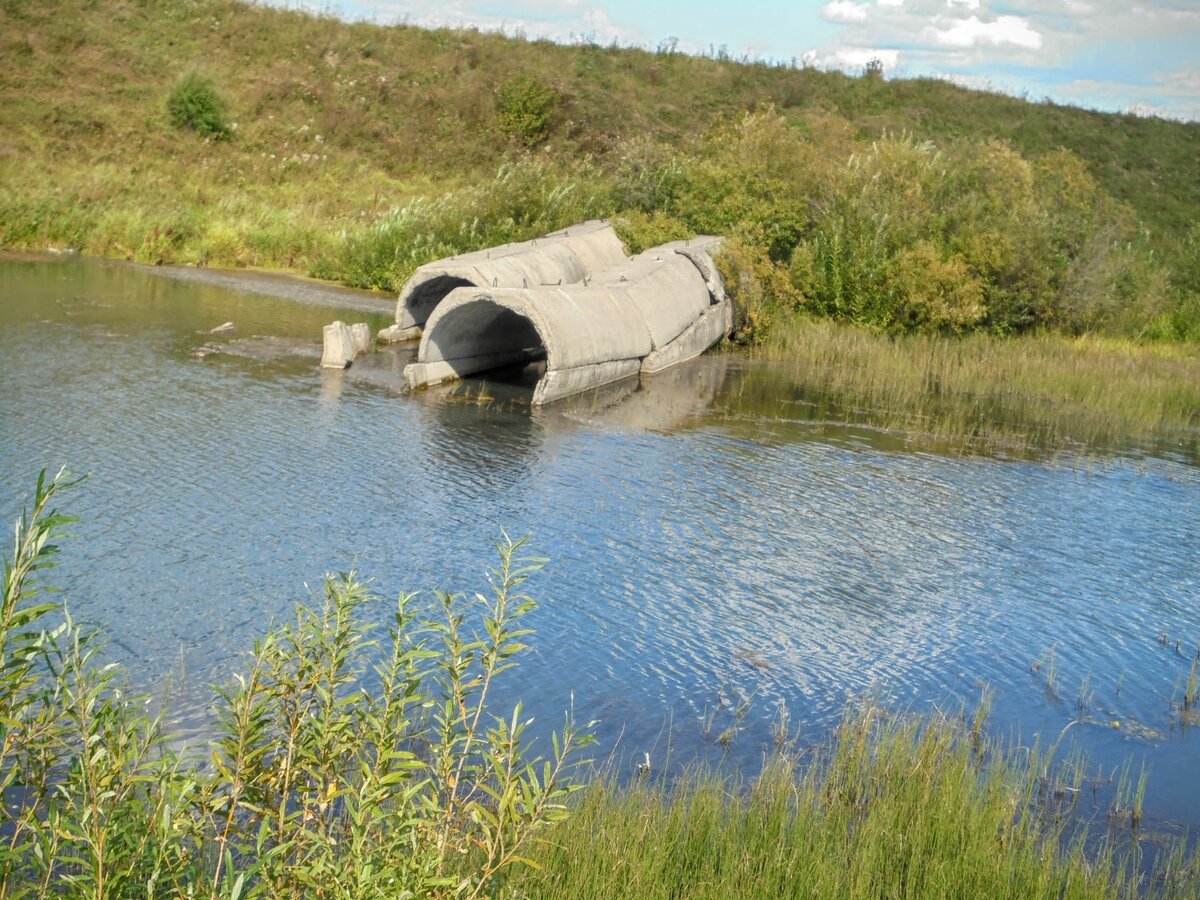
point(891, 807)
point(331, 132)
point(1018, 395)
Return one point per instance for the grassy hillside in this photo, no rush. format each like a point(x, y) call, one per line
point(336, 131)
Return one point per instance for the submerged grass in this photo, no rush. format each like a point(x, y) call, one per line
point(892, 807)
point(1019, 394)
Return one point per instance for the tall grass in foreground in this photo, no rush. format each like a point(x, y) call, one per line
point(330, 776)
point(893, 807)
point(1033, 392)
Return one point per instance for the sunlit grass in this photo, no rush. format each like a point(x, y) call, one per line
point(891, 807)
point(334, 129)
point(1034, 392)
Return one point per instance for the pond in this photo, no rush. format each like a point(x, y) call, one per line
point(709, 565)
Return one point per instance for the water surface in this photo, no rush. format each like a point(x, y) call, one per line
point(709, 564)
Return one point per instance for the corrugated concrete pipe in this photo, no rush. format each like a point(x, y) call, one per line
point(657, 309)
point(562, 257)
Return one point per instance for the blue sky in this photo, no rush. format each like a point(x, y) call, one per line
point(1141, 56)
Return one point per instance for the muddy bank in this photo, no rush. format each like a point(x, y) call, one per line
point(283, 285)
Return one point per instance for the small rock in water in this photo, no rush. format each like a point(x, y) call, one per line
point(205, 351)
point(393, 334)
point(224, 328)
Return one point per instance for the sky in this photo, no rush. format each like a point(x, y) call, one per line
point(1141, 57)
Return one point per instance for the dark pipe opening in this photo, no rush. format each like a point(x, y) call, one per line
point(484, 335)
point(422, 301)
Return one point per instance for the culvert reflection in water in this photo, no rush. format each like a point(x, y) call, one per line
point(708, 563)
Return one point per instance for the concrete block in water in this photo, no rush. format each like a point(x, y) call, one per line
point(395, 334)
point(361, 332)
point(340, 347)
point(344, 343)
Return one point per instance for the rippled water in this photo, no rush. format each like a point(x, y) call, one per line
point(702, 558)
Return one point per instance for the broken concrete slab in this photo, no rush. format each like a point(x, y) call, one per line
point(361, 332)
point(393, 334)
point(343, 343)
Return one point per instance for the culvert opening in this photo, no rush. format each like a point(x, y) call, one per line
point(483, 336)
point(426, 296)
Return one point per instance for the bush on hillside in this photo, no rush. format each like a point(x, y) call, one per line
point(524, 106)
point(194, 103)
point(898, 235)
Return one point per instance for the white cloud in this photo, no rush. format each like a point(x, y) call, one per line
point(973, 31)
point(1174, 95)
point(889, 2)
point(559, 20)
point(844, 11)
point(853, 58)
point(969, 4)
point(1183, 81)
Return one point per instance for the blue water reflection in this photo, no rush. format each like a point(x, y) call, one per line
point(707, 569)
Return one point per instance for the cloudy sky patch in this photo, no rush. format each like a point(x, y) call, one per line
point(973, 31)
point(1104, 54)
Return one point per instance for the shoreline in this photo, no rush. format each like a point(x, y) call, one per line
point(264, 282)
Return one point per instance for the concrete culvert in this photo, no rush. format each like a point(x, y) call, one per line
point(474, 333)
point(562, 257)
point(484, 328)
point(658, 309)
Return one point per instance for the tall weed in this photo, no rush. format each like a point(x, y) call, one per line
point(328, 775)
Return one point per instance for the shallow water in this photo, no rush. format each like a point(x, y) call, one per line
point(705, 560)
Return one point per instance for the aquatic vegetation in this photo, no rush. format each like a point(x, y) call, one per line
point(1018, 395)
point(1187, 708)
point(1087, 695)
point(1191, 690)
point(1129, 802)
point(893, 806)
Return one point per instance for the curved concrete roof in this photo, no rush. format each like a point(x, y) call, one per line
point(659, 308)
point(562, 257)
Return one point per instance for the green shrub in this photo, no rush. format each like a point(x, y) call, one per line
point(639, 231)
point(194, 103)
point(326, 776)
point(524, 106)
point(759, 289)
point(525, 199)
